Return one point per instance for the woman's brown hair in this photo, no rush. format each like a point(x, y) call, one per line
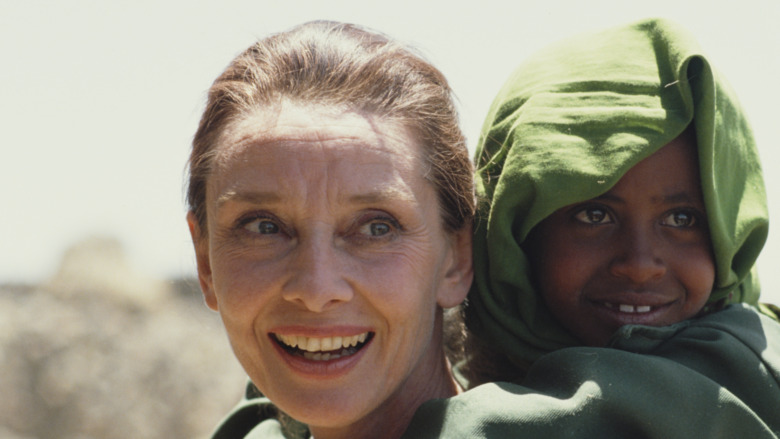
point(345, 66)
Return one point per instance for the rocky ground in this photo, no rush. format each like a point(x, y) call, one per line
point(100, 352)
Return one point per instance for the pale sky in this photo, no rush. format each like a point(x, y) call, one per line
point(99, 99)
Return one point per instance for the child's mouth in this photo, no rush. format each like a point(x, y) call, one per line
point(630, 309)
point(622, 313)
point(322, 348)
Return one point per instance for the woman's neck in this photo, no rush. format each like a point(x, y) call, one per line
point(389, 421)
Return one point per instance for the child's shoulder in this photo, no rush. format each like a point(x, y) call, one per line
point(737, 348)
point(740, 325)
point(726, 365)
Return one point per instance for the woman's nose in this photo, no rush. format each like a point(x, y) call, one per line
point(638, 256)
point(316, 276)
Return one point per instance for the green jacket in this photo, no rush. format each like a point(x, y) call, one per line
point(713, 377)
point(256, 417)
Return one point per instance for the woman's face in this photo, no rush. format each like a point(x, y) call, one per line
point(327, 261)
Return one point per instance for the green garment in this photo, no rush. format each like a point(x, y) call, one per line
point(713, 377)
point(256, 417)
point(566, 126)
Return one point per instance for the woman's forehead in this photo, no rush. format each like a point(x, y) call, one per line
point(307, 147)
point(312, 124)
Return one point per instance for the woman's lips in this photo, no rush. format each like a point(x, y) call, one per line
point(322, 348)
point(319, 357)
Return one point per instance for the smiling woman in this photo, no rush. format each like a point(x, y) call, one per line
point(330, 208)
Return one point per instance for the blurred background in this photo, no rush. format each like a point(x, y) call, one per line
point(103, 332)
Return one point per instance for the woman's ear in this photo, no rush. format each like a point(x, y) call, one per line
point(459, 271)
point(201, 243)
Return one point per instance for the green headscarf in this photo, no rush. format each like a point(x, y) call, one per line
point(567, 125)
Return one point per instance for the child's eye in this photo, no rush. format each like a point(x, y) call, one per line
point(594, 215)
point(679, 219)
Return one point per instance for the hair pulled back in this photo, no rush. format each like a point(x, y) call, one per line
point(345, 66)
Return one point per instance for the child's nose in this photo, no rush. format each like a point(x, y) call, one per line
point(639, 257)
point(315, 278)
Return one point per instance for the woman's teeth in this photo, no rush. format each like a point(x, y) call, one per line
point(322, 348)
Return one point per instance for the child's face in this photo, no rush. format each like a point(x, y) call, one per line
point(639, 254)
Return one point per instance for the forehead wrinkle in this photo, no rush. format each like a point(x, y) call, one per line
point(251, 197)
point(324, 143)
point(264, 126)
point(381, 195)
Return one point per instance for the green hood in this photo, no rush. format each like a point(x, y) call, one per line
point(566, 126)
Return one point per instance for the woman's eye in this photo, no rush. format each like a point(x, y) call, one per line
point(378, 227)
point(593, 215)
point(679, 219)
point(262, 226)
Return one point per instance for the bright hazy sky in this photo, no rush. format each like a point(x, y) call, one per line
point(99, 99)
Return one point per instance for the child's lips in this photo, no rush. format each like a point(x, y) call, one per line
point(629, 314)
point(628, 308)
point(632, 300)
point(644, 308)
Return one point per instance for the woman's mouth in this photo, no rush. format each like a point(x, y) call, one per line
point(322, 348)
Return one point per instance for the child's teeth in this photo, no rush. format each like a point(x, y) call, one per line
point(639, 309)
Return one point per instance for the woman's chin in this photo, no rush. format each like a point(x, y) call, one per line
point(324, 391)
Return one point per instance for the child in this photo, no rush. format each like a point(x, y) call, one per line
point(623, 212)
point(638, 254)
point(568, 132)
